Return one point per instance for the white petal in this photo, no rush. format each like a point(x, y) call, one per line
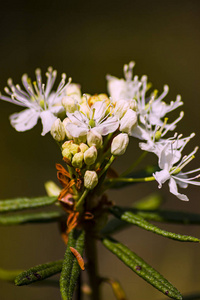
point(173, 189)
point(76, 131)
point(108, 126)
point(24, 120)
point(47, 119)
point(161, 177)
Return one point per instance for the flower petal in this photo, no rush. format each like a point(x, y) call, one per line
point(24, 120)
point(47, 119)
point(174, 190)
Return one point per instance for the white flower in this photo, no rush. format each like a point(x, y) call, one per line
point(40, 100)
point(98, 120)
point(121, 89)
point(173, 173)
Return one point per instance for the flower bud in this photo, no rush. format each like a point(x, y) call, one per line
point(67, 154)
point(80, 139)
point(119, 144)
point(90, 156)
point(52, 189)
point(58, 130)
point(90, 179)
point(77, 160)
point(65, 122)
point(128, 122)
point(94, 139)
point(69, 104)
point(133, 104)
point(121, 108)
point(83, 147)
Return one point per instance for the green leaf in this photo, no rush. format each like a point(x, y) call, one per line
point(151, 202)
point(39, 272)
point(24, 203)
point(141, 268)
point(71, 268)
point(178, 217)
point(9, 275)
point(139, 221)
point(40, 217)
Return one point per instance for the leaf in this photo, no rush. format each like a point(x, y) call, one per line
point(39, 272)
point(137, 220)
point(40, 217)
point(141, 268)
point(9, 275)
point(24, 203)
point(152, 201)
point(178, 217)
point(71, 268)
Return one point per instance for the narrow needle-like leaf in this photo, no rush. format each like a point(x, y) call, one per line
point(25, 203)
point(137, 220)
point(71, 268)
point(141, 268)
point(39, 272)
point(40, 217)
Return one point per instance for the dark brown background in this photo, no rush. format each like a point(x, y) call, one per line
point(87, 40)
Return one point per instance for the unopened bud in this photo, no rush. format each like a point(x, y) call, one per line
point(80, 139)
point(90, 179)
point(58, 130)
point(128, 122)
point(67, 154)
point(65, 122)
point(69, 104)
point(77, 160)
point(121, 108)
point(133, 104)
point(83, 147)
point(94, 139)
point(90, 156)
point(119, 144)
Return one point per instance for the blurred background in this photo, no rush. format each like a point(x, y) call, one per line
point(87, 40)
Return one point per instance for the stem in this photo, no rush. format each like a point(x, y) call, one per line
point(134, 164)
point(80, 202)
point(131, 179)
point(91, 254)
point(107, 165)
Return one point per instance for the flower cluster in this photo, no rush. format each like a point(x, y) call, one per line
point(93, 130)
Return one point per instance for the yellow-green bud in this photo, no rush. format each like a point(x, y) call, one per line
point(83, 147)
point(52, 189)
point(58, 131)
point(80, 139)
point(94, 139)
point(77, 160)
point(74, 148)
point(133, 104)
point(69, 104)
point(119, 144)
point(67, 154)
point(90, 156)
point(65, 121)
point(121, 108)
point(90, 179)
